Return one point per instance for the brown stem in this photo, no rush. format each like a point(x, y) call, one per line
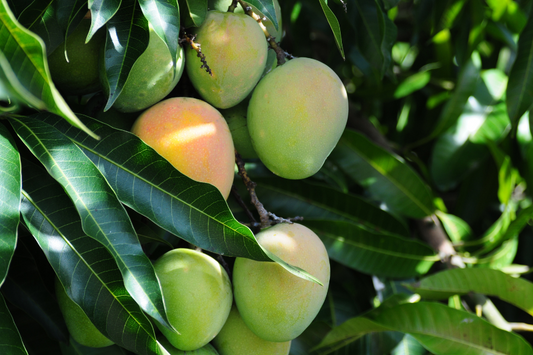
point(198, 48)
point(280, 53)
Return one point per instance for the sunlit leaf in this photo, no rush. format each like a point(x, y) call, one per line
point(101, 12)
point(193, 12)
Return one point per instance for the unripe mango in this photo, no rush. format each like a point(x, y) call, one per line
point(207, 349)
point(236, 338)
point(81, 329)
point(275, 304)
point(193, 136)
point(152, 77)
point(236, 118)
point(197, 294)
point(235, 50)
point(296, 116)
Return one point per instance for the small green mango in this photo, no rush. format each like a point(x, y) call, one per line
point(236, 118)
point(296, 116)
point(235, 51)
point(207, 349)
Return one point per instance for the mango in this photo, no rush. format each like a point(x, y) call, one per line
point(80, 74)
point(207, 349)
point(81, 329)
point(236, 118)
point(153, 76)
point(197, 294)
point(193, 136)
point(276, 305)
point(235, 50)
point(296, 116)
point(236, 338)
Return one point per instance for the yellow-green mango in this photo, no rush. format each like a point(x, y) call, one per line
point(235, 50)
point(236, 338)
point(296, 116)
point(197, 294)
point(207, 349)
point(275, 304)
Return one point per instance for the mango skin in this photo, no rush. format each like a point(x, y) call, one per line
point(275, 304)
point(236, 338)
point(296, 116)
point(207, 349)
point(235, 49)
point(80, 75)
point(193, 136)
point(152, 77)
point(197, 294)
point(236, 118)
point(81, 329)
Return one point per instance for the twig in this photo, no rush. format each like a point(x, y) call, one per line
point(280, 53)
point(198, 48)
point(521, 327)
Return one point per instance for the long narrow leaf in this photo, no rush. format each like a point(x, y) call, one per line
point(373, 253)
point(149, 184)
point(334, 24)
point(84, 267)
point(23, 68)
point(101, 12)
point(103, 216)
point(439, 328)
point(385, 175)
point(10, 185)
point(10, 340)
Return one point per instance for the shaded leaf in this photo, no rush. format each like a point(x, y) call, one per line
point(313, 201)
point(10, 340)
point(127, 38)
point(164, 16)
point(386, 176)
point(10, 185)
point(24, 72)
point(98, 207)
point(439, 328)
point(519, 95)
point(84, 266)
point(268, 9)
point(147, 183)
point(373, 253)
point(101, 12)
point(441, 285)
point(193, 12)
point(334, 24)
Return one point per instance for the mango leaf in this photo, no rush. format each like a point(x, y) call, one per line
point(268, 9)
point(386, 175)
point(147, 183)
point(440, 329)
point(193, 12)
point(412, 83)
point(10, 185)
point(27, 290)
point(69, 13)
point(409, 346)
point(24, 70)
point(313, 201)
point(462, 147)
point(164, 16)
point(501, 257)
point(516, 291)
point(373, 253)
point(98, 207)
point(456, 228)
point(127, 38)
point(519, 95)
point(101, 12)
point(84, 267)
point(10, 340)
point(334, 24)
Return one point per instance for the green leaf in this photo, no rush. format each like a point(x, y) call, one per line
point(334, 24)
point(98, 207)
point(10, 340)
point(490, 282)
point(84, 266)
point(456, 228)
point(69, 13)
point(373, 253)
point(193, 12)
point(267, 8)
point(409, 346)
point(464, 146)
point(386, 175)
point(10, 186)
point(24, 70)
point(439, 328)
point(147, 183)
point(411, 84)
point(519, 95)
point(127, 38)
point(164, 16)
point(101, 12)
point(313, 201)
